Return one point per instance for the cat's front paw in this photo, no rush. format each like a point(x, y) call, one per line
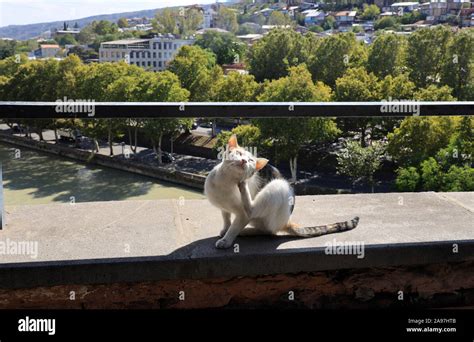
point(223, 243)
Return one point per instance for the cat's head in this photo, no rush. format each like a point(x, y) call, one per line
point(240, 162)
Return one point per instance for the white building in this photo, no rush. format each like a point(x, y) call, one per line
point(403, 7)
point(152, 54)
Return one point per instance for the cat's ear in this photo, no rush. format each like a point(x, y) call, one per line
point(233, 141)
point(261, 162)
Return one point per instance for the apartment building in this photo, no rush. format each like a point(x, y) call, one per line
point(152, 54)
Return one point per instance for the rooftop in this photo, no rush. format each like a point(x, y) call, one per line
point(346, 13)
point(313, 13)
point(103, 242)
point(49, 46)
point(403, 4)
point(126, 41)
point(215, 29)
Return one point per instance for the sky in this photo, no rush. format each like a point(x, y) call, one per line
point(20, 12)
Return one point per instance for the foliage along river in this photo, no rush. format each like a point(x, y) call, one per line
point(39, 178)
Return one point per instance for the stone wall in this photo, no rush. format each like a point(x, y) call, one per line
point(430, 286)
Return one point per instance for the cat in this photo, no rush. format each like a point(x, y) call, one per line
point(256, 194)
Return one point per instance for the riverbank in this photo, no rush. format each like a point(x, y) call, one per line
point(31, 177)
point(132, 165)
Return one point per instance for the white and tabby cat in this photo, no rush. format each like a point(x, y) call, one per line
point(256, 194)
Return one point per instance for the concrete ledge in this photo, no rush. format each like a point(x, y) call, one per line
point(431, 286)
point(174, 176)
point(140, 241)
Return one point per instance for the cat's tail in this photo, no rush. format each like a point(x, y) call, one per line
point(295, 230)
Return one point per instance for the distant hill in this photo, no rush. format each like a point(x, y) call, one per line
point(23, 32)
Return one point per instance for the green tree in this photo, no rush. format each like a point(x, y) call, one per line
point(189, 20)
point(278, 18)
point(385, 23)
point(166, 21)
point(334, 56)
point(122, 23)
point(104, 27)
point(386, 55)
point(460, 150)
point(359, 86)
point(289, 134)
point(431, 174)
point(434, 93)
point(235, 87)
point(197, 71)
point(459, 179)
point(249, 136)
point(82, 53)
point(94, 84)
point(408, 179)
point(67, 39)
point(393, 88)
point(370, 12)
point(225, 46)
point(329, 23)
point(161, 87)
point(227, 19)
point(399, 87)
point(86, 35)
point(10, 65)
point(458, 69)
point(316, 29)
point(7, 48)
point(360, 163)
point(419, 138)
point(33, 81)
point(425, 55)
point(271, 56)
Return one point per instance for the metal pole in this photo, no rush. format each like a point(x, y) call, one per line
point(2, 209)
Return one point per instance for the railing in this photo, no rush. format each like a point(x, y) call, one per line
point(78, 109)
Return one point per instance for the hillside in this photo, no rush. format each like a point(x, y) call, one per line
point(23, 32)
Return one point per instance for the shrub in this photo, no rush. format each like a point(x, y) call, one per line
point(459, 179)
point(407, 179)
point(431, 175)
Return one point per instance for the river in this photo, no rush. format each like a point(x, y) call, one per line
point(32, 177)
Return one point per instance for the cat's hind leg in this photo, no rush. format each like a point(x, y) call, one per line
point(255, 228)
point(272, 205)
point(227, 222)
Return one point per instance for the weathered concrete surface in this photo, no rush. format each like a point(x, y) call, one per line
point(107, 242)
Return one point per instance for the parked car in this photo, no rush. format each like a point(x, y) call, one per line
point(69, 134)
point(167, 157)
point(206, 124)
point(17, 128)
